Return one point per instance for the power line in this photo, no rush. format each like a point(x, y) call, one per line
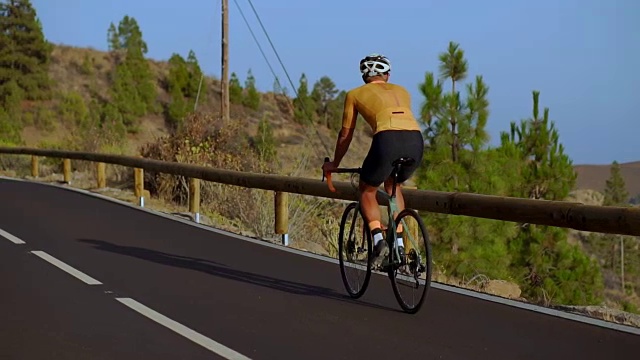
point(273, 47)
point(257, 42)
point(285, 71)
point(272, 71)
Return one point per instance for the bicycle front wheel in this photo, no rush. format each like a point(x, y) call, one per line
point(412, 279)
point(354, 247)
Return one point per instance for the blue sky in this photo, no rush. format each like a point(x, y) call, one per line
point(579, 54)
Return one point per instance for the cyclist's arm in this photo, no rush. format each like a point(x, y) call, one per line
point(349, 118)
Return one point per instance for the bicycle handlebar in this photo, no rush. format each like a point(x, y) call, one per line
point(339, 170)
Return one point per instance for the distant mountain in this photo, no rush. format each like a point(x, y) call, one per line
point(594, 177)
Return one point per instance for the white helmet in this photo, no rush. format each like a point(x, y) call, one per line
point(374, 64)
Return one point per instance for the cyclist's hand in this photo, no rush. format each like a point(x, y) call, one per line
point(328, 167)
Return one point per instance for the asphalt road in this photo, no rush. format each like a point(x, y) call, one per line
point(152, 288)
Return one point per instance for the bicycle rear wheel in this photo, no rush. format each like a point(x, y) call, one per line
point(354, 247)
point(414, 276)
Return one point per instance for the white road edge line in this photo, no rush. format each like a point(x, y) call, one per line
point(192, 335)
point(11, 238)
point(68, 269)
point(462, 291)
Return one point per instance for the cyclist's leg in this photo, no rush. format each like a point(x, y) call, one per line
point(409, 144)
point(371, 212)
point(375, 169)
point(369, 205)
point(373, 173)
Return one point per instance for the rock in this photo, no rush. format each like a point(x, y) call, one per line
point(502, 288)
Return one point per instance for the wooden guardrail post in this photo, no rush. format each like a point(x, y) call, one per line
point(34, 166)
point(138, 175)
point(194, 198)
point(102, 177)
point(282, 216)
point(66, 170)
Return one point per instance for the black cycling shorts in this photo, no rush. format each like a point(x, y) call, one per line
point(388, 146)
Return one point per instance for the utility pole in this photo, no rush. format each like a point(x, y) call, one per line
point(224, 83)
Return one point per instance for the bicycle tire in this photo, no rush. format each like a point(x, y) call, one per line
point(423, 238)
point(342, 244)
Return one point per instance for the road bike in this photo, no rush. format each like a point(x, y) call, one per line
point(413, 266)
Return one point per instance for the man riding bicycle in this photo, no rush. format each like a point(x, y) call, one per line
point(387, 109)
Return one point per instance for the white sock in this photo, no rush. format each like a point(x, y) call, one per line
point(399, 241)
point(377, 238)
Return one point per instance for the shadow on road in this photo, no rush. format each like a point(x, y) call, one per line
point(220, 270)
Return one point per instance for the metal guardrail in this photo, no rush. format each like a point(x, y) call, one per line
point(603, 219)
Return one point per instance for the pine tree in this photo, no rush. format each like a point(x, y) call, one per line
point(235, 89)
point(74, 110)
point(177, 108)
point(114, 43)
point(304, 106)
point(183, 82)
point(133, 90)
point(324, 91)
point(195, 78)
point(550, 269)
point(24, 54)
point(453, 66)
point(615, 192)
point(178, 77)
point(126, 98)
point(130, 37)
point(549, 172)
point(453, 127)
point(278, 89)
point(177, 83)
point(609, 246)
point(252, 98)
point(455, 159)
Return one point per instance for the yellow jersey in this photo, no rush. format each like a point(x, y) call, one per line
point(383, 106)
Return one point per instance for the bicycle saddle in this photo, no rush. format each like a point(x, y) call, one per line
point(404, 161)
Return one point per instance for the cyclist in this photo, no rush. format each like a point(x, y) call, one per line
point(386, 108)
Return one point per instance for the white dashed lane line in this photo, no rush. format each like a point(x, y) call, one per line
point(192, 335)
point(66, 268)
point(188, 333)
point(12, 238)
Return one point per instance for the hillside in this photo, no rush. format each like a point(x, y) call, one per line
point(68, 72)
point(594, 177)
